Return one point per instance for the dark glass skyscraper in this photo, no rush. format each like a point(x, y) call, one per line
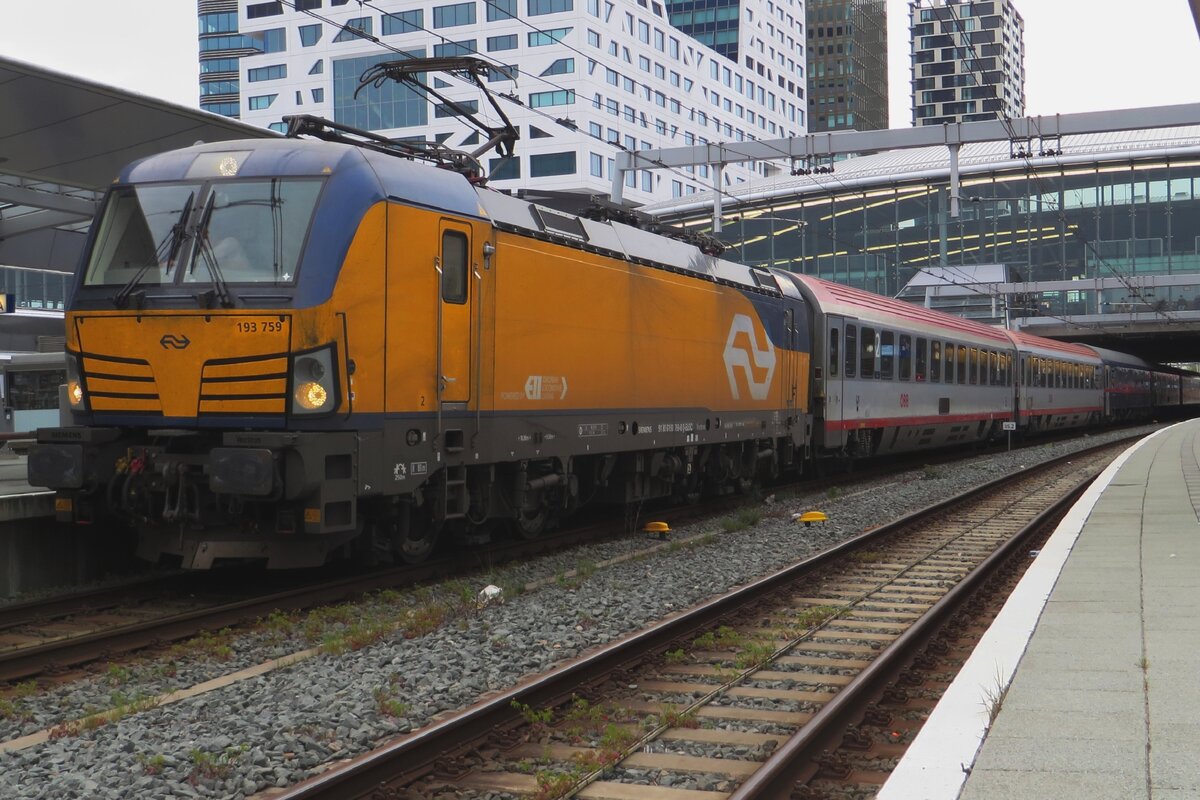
point(847, 65)
point(710, 22)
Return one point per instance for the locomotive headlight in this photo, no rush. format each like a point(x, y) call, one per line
point(75, 394)
point(314, 390)
point(311, 396)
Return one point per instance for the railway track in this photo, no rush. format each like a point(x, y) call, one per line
point(740, 696)
point(52, 635)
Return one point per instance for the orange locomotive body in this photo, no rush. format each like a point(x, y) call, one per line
point(283, 350)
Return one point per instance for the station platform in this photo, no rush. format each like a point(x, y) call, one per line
point(1090, 668)
point(19, 500)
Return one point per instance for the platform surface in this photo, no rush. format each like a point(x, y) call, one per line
point(1092, 669)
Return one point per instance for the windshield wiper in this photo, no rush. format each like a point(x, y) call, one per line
point(173, 241)
point(210, 260)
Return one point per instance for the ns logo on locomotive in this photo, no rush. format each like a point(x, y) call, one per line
point(290, 349)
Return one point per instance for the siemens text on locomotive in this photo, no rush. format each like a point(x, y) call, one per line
point(287, 349)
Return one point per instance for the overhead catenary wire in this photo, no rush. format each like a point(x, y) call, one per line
point(565, 123)
point(1031, 171)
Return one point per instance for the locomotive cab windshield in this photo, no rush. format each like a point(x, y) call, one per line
point(237, 231)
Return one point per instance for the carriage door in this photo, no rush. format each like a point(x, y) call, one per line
point(791, 356)
point(833, 367)
point(1107, 394)
point(454, 317)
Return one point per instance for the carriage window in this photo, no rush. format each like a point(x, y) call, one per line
point(851, 351)
point(905, 357)
point(454, 267)
point(833, 352)
point(887, 353)
point(973, 365)
point(935, 363)
point(963, 364)
point(866, 362)
point(922, 358)
point(994, 368)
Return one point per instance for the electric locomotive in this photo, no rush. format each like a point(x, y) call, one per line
point(289, 349)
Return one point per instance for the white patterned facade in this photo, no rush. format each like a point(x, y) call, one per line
point(592, 76)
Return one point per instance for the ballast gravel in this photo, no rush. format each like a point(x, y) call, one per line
point(279, 728)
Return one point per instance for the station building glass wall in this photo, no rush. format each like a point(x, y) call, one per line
point(1128, 219)
point(36, 288)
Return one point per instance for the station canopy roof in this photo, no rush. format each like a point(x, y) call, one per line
point(63, 139)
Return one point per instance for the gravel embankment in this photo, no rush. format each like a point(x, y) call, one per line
point(275, 729)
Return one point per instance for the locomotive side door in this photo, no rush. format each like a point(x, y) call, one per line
point(455, 300)
point(790, 358)
point(832, 363)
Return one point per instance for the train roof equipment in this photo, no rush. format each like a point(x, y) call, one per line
point(411, 73)
point(367, 171)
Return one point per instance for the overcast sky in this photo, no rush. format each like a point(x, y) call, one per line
point(1081, 55)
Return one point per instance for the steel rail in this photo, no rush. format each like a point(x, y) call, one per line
point(22, 662)
point(777, 777)
point(87, 601)
point(417, 753)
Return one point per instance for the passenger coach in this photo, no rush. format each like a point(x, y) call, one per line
point(1059, 386)
point(890, 376)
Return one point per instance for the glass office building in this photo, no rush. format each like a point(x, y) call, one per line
point(1114, 220)
point(847, 65)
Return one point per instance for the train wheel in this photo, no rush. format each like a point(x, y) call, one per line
point(416, 550)
point(416, 537)
point(531, 523)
